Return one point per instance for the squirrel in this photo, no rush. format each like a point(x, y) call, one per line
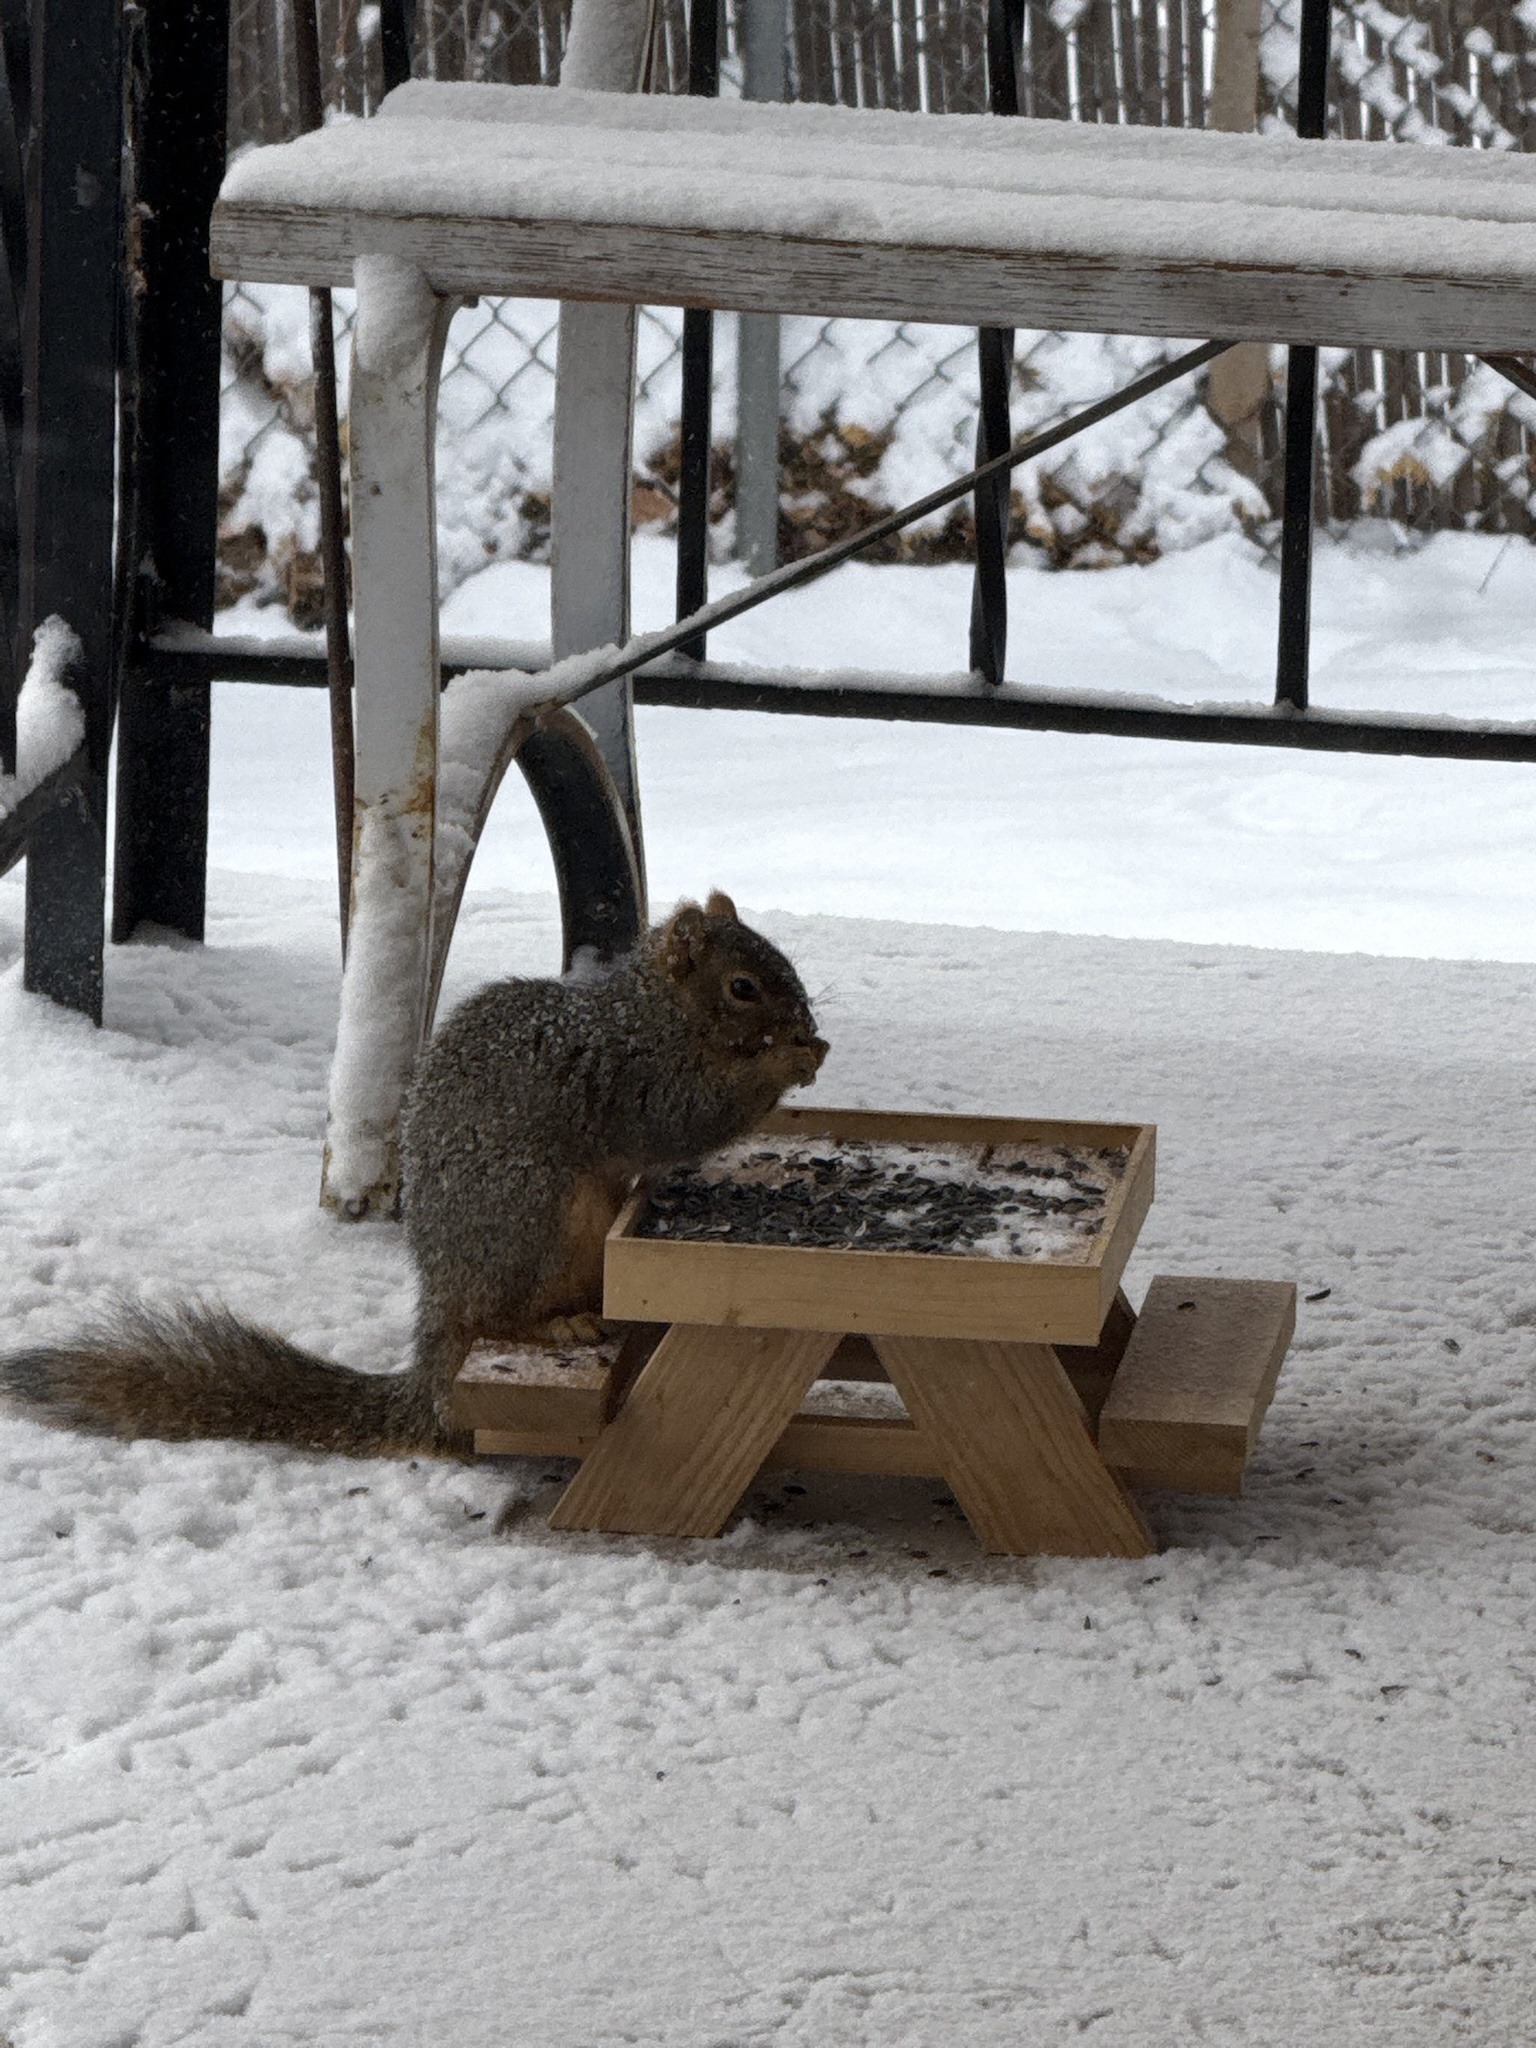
point(530, 1118)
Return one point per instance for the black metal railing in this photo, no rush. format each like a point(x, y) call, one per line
point(696, 438)
point(65, 485)
point(15, 84)
point(113, 135)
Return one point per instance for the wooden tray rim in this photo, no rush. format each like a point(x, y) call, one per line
point(1139, 1140)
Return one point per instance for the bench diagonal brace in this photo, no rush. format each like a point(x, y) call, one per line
point(568, 683)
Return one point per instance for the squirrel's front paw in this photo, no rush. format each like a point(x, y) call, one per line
point(577, 1329)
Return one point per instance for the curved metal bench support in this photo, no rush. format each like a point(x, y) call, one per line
point(602, 901)
point(602, 909)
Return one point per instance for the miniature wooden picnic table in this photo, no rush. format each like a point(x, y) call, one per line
point(1030, 1387)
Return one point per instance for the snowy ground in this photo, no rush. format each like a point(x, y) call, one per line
point(1042, 831)
point(308, 1750)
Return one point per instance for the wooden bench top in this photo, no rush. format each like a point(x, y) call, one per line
point(966, 219)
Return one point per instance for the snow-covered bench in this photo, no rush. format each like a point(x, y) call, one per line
point(877, 215)
point(611, 197)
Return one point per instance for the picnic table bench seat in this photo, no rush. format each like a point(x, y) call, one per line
point(970, 219)
point(608, 199)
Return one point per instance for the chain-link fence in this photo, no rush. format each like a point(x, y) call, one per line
point(872, 412)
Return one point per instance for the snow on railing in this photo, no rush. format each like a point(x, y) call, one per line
point(50, 721)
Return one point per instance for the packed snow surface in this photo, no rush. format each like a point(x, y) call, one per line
point(326, 1751)
point(315, 1750)
point(1030, 831)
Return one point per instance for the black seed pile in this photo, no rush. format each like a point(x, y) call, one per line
point(850, 1198)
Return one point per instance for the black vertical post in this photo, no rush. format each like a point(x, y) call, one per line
point(160, 868)
point(698, 371)
point(68, 486)
point(333, 545)
point(992, 501)
point(1293, 657)
point(397, 27)
point(13, 269)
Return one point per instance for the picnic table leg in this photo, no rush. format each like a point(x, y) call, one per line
point(706, 1410)
point(396, 358)
point(1016, 1448)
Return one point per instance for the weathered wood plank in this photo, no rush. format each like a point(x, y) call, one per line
point(762, 273)
point(1186, 1405)
point(877, 214)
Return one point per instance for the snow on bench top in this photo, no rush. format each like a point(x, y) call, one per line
point(582, 155)
point(501, 163)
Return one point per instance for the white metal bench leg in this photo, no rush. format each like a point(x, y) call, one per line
point(589, 594)
point(607, 51)
point(396, 358)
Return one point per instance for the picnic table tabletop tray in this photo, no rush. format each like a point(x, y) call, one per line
point(890, 1292)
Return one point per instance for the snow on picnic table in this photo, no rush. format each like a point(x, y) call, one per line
point(297, 1749)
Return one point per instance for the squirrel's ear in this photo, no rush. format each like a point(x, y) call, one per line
point(720, 905)
point(681, 940)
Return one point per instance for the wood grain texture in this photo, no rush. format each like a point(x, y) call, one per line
point(1015, 1446)
point(543, 1388)
point(533, 1443)
point(823, 1443)
point(1092, 1367)
point(830, 1433)
point(796, 1288)
point(698, 1422)
point(756, 272)
point(1188, 1400)
point(911, 1293)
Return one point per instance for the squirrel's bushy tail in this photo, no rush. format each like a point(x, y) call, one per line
point(197, 1371)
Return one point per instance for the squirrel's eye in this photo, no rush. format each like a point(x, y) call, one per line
point(744, 989)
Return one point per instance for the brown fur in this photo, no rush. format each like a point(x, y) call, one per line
point(530, 1116)
point(595, 1203)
